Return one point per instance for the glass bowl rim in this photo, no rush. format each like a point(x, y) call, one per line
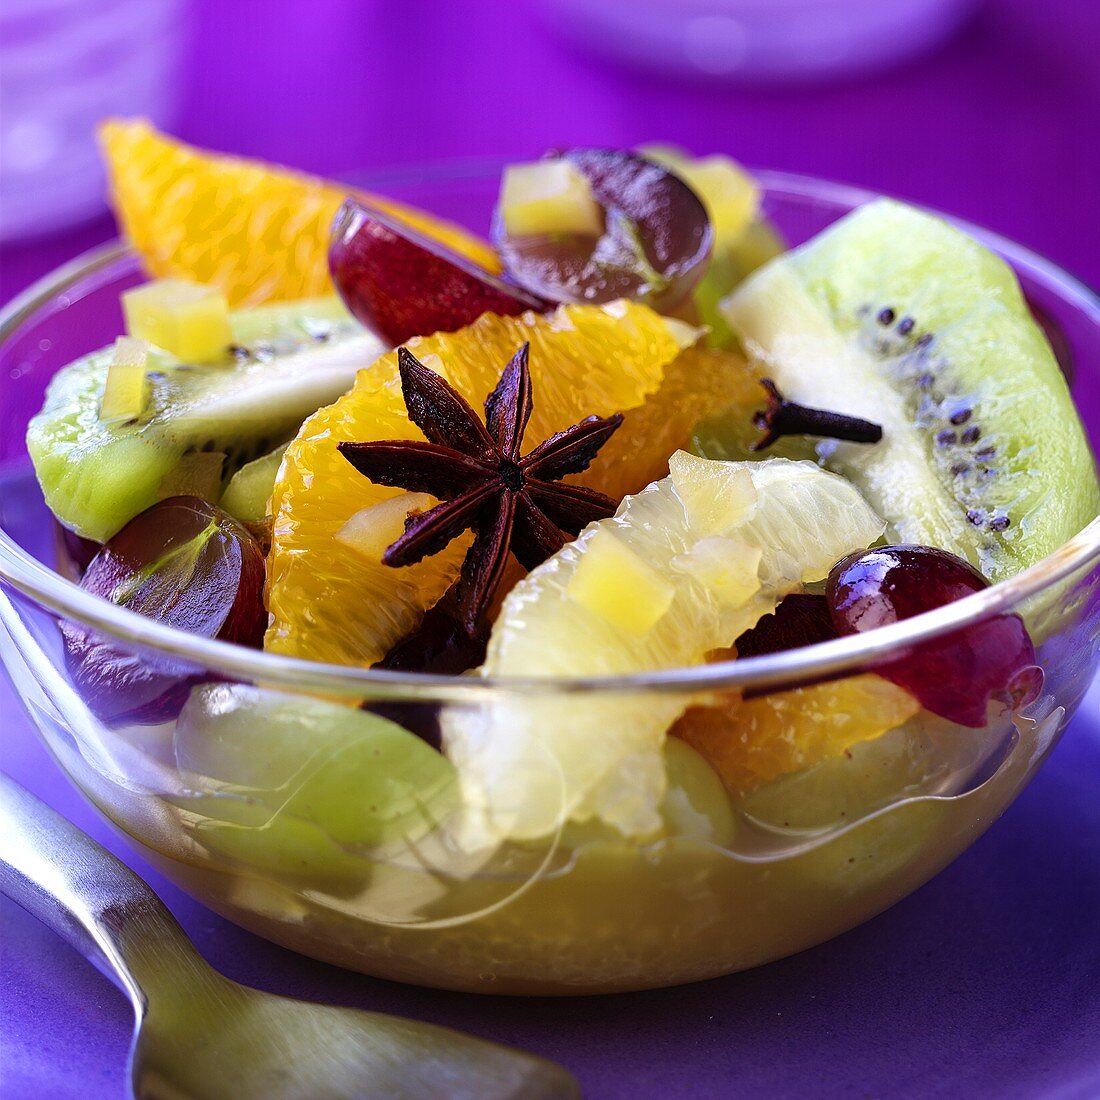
point(35, 580)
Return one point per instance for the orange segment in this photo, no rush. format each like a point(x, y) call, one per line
point(329, 602)
point(259, 232)
point(700, 383)
point(753, 741)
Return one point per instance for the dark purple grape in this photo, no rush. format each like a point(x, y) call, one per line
point(400, 283)
point(74, 553)
point(655, 245)
point(800, 620)
point(954, 676)
point(185, 563)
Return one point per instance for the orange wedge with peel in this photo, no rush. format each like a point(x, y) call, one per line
point(259, 232)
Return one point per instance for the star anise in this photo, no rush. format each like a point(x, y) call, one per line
point(513, 503)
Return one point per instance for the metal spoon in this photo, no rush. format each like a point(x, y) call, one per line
point(200, 1036)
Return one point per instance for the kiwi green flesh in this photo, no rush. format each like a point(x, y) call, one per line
point(897, 317)
point(247, 495)
point(727, 268)
point(287, 361)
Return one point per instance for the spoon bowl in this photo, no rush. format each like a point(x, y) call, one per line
point(200, 1036)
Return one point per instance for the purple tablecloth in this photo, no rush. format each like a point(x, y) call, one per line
point(987, 982)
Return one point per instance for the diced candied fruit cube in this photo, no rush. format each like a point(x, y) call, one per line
point(126, 389)
point(185, 319)
point(612, 581)
point(549, 196)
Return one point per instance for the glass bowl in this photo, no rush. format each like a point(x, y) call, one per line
point(278, 804)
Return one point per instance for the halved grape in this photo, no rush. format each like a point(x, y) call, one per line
point(74, 553)
point(400, 283)
point(955, 676)
point(654, 247)
point(187, 564)
point(304, 785)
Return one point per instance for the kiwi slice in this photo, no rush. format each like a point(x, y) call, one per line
point(897, 317)
point(287, 361)
point(249, 490)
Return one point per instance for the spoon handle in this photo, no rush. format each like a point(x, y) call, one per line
point(87, 896)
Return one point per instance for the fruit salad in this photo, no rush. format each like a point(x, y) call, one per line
point(623, 432)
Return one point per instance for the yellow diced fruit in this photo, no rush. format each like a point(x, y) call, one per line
point(549, 196)
point(730, 195)
point(186, 319)
point(612, 581)
point(372, 529)
point(126, 388)
point(717, 496)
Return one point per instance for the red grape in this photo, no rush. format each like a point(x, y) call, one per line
point(74, 553)
point(654, 248)
point(954, 676)
point(800, 619)
point(400, 283)
point(185, 563)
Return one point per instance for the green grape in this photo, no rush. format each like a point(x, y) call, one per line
point(302, 785)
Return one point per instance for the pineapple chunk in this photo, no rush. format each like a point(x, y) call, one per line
point(549, 196)
point(731, 197)
point(371, 530)
point(126, 389)
point(614, 582)
point(186, 319)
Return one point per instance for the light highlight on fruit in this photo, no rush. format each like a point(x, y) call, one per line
point(370, 531)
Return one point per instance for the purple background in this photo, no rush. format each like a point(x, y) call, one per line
point(985, 983)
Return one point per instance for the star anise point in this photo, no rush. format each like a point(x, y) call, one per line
point(515, 503)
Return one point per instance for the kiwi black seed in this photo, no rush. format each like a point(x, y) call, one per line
point(970, 467)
